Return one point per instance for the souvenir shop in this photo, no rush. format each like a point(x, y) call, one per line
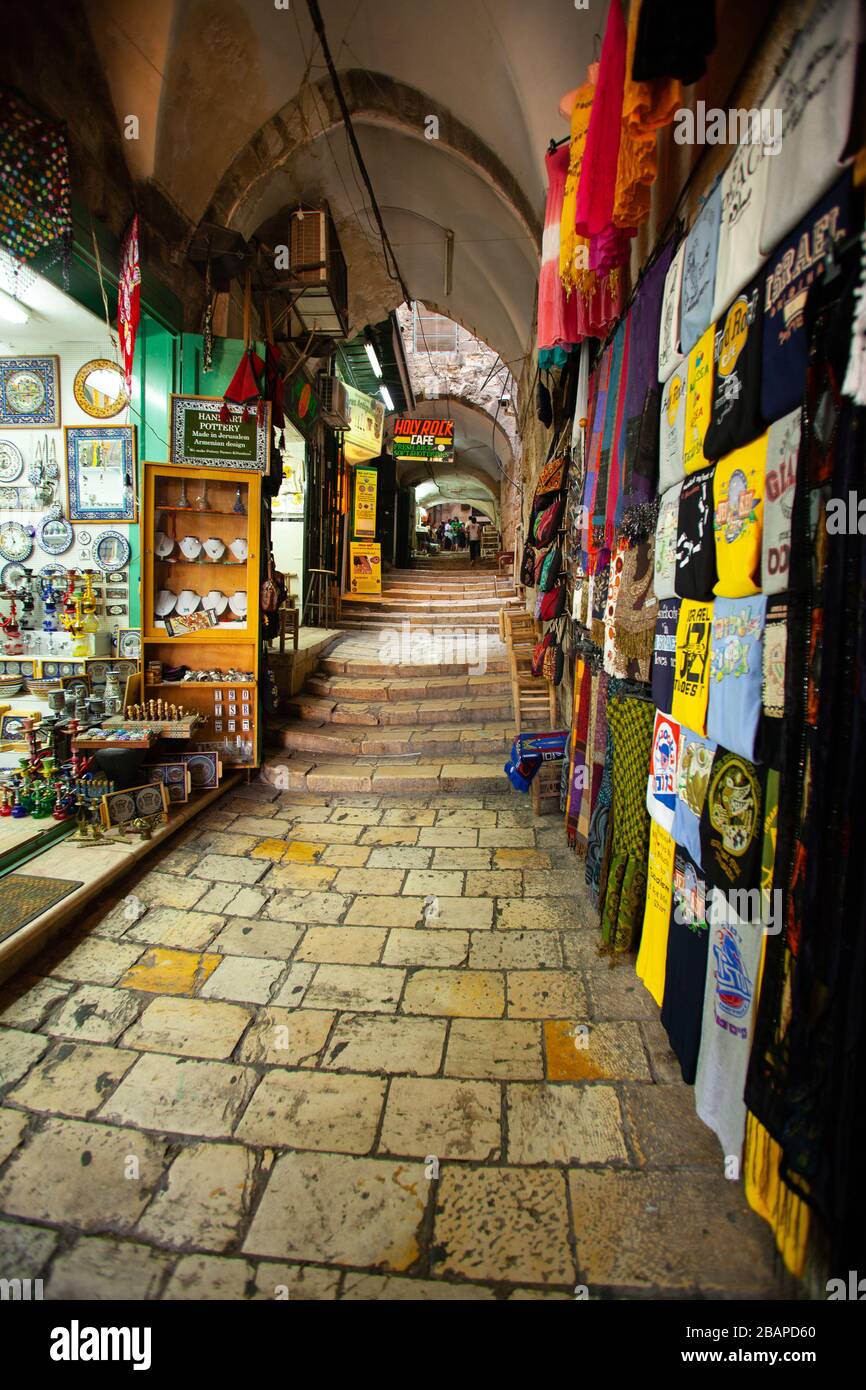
point(707, 560)
point(137, 584)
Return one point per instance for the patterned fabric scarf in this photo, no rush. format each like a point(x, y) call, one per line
point(578, 770)
point(599, 824)
point(636, 612)
point(642, 389)
point(631, 723)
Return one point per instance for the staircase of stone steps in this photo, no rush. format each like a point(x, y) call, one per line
point(415, 697)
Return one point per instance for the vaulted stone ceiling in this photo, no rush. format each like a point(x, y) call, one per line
point(239, 124)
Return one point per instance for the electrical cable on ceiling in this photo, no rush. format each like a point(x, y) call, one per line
point(319, 26)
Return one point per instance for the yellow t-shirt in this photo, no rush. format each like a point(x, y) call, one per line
point(652, 956)
point(738, 519)
point(692, 665)
point(699, 399)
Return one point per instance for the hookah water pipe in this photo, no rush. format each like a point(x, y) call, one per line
point(50, 598)
point(89, 621)
point(71, 617)
point(9, 624)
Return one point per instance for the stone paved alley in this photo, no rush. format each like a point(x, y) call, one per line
point(269, 1027)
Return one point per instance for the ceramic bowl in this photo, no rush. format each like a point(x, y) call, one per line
point(10, 688)
point(214, 548)
point(216, 600)
point(166, 601)
point(188, 601)
point(238, 603)
point(238, 548)
point(163, 545)
point(190, 547)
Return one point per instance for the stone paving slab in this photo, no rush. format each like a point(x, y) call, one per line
point(359, 1044)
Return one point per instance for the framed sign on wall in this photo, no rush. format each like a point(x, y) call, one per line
point(199, 437)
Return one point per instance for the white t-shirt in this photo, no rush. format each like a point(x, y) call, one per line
point(473, 530)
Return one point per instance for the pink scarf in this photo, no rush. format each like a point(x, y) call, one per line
point(595, 193)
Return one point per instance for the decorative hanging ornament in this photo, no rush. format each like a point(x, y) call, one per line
point(129, 299)
point(243, 389)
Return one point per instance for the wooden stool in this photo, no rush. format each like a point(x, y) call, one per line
point(289, 616)
point(319, 598)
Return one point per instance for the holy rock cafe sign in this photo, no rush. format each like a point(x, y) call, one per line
point(431, 440)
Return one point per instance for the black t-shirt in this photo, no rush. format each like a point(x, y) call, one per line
point(664, 652)
point(695, 571)
point(735, 404)
point(732, 830)
point(686, 965)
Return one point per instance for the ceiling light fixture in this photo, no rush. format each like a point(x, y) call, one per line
point(12, 310)
point(370, 349)
point(386, 397)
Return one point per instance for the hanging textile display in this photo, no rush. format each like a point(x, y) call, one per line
point(820, 70)
point(736, 673)
point(640, 473)
point(129, 299)
point(738, 494)
point(718, 583)
point(699, 271)
point(646, 108)
point(609, 245)
point(557, 309)
point(787, 279)
point(664, 652)
point(35, 201)
point(630, 721)
point(735, 410)
point(686, 964)
point(652, 956)
point(693, 779)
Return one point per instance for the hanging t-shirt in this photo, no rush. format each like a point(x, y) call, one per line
point(738, 494)
point(670, 353)
point(744, 192)
point(664, 559)
point(693, 779)
point(731, 825)
point(773, 680)
point(699, 393)
point(736, 399)
point(651, 958)
point(661, 788)
point(699, 271)
point(692, 665)
point(695, 572)
point(815, 92)
point(686, 963)
point(785, 285)
point(783, 445)
point(672, 428)
point(733, 966)
point(736, 673)
point(664, 653)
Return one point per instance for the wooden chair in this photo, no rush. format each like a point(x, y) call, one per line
point(533, 699)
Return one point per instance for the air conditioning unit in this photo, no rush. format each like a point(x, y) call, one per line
point(334, 397)
point(318, 268)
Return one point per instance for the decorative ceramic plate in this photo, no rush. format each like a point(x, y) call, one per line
point(52, 571)
point(55, 535)
point(11, 461)
point(25, 392)
point(16, 542)
point(12, 575)
point(202, 767)
point(112, 551)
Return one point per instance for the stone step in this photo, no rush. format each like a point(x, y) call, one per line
point(376, 713)
point(419, 607)
point(303, 772)
point(470, 622)
point(333, 666)
point(416, 594)
point(396, 741)
point(374, 687)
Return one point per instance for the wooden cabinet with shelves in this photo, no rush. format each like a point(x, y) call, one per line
point(201, 571)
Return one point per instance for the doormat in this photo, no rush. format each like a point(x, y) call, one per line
point(24, 896)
